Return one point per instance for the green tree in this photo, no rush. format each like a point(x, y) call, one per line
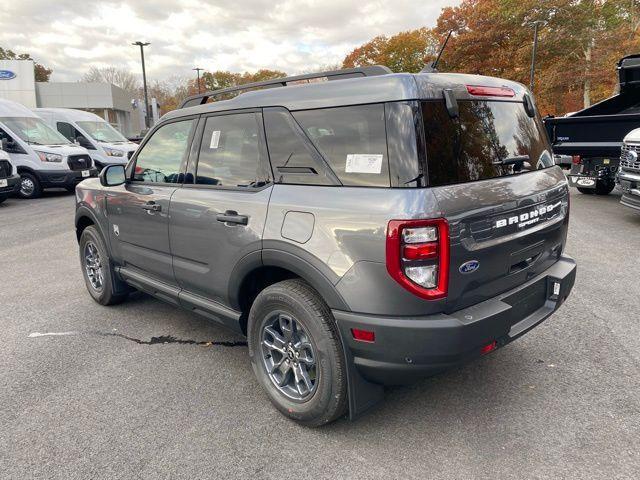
point(41, 72)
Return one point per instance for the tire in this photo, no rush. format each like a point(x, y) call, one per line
point(586, 191)
point(3, 198)
point(296, 304)
point(604, 188)
point(29, 186)
point(102, 281)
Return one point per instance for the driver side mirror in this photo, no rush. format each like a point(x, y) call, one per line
point(112, 176)
point(83, 142)
point(8, 144)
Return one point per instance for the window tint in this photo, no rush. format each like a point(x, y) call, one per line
point(292, 160)
point(487, 140)
point(160, 159)
point(230, 152)
point(406, 157)
point(67, 130)
point(352, 140)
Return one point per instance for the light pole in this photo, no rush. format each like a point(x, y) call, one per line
point(198, 70)
point(533, 54)
point(147, 118)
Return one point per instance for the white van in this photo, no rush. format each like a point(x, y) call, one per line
point(43, 157)
point(105, 144)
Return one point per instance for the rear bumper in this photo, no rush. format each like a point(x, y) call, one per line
point(406, 349)
point(62, 178)
point(13, 184)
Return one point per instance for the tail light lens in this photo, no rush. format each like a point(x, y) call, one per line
point(576, 160)
point(418, 256)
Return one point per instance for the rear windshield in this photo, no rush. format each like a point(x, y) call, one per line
point(489, 139)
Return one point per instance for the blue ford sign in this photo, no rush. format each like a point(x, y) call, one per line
point(7, 75)
point(469, 267)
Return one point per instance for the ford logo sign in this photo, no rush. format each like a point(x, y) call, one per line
point(469, 267)
point(7, 75)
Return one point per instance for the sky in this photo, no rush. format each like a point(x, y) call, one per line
point(70, 36)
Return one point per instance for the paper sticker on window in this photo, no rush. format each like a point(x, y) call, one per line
point(215, 139)
point(359, 163)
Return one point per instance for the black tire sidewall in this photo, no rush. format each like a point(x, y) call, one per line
point(37, 188)
point(586, 191)
point(105, 296)
point(324, 405)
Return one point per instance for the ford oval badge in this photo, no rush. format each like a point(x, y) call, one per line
point(469, 267)
point(7, 75)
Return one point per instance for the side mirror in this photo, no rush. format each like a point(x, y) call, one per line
point(112, 176)
point(83, 142)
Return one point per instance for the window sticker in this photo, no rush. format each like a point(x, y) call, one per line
point(215, 139)
point(363, 163)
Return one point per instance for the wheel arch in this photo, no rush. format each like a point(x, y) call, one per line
point(258, 270)
point(85, 218)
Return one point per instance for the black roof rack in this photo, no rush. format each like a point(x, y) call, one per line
point(371, 71)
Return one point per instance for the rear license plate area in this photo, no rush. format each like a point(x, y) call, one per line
point(527, 301)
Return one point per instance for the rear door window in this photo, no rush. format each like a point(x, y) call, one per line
point(352, 141)
point(489, 139)
point(231, 152)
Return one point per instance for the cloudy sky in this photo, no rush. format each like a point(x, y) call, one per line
point(243, 35)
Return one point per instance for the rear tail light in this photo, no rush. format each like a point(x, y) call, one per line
point(482, 91)
point(576, 160)
point(418, 256)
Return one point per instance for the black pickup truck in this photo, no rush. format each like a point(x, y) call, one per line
point(593, 136)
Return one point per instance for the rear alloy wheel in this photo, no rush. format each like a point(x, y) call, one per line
point(296, 353)
point(29, 186)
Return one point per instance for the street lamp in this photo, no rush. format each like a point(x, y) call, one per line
point(198, 70)
point(533, 54)
point(144, 83)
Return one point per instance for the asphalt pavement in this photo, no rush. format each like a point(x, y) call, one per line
point(104, 398)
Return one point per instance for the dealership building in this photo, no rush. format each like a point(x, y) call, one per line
point(115, 105)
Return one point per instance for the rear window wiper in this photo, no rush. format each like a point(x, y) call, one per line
point(512, 160)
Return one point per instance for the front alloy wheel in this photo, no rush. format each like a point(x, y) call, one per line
point(93, 266)
point(288, 356)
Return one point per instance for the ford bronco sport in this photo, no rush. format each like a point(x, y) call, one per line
point(361, 228)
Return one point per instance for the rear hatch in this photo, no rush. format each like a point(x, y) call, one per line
point(492, 172)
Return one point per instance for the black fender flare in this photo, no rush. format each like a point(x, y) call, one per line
point(293, 259)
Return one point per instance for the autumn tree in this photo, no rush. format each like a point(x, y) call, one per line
point(406, 51)
point(41, 72)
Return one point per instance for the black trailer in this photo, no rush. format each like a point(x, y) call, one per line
point(593, 136)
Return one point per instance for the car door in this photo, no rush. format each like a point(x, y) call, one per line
point(219, 217)
point(138, 211)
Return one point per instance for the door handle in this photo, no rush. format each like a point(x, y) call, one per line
point(152, 207)
point(231, 216)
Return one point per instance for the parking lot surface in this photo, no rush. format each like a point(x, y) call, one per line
point(104, 398)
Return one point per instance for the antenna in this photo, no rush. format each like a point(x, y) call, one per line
point(433, 68)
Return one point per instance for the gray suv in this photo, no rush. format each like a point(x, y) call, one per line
point(361, 228)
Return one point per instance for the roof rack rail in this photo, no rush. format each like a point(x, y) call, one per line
point(371, 71)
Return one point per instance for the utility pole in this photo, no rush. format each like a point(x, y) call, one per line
point(147, 118)
point(533, 55)
point(198, 70)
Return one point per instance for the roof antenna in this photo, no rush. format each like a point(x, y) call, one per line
point(433, 67)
